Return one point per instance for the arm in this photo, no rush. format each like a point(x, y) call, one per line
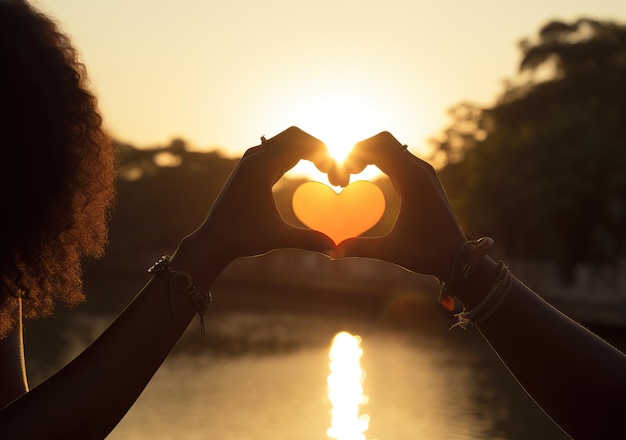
point(578, 379)
point(88, 397)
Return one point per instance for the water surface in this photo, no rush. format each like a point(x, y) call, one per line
point(263, 375)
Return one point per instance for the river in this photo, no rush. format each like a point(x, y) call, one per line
point(264, 374)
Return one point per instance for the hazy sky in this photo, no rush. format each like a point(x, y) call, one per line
point(223, 73)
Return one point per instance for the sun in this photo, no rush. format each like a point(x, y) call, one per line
point(340, 120)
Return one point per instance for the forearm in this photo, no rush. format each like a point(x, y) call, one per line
point(88, 397)
point(548, 353)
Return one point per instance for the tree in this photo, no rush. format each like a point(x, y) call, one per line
point(543, 170)
point(170, 189)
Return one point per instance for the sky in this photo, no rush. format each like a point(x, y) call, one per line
point(220, 74)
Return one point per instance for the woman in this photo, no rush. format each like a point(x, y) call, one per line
point(57, 186)
point(57, 177)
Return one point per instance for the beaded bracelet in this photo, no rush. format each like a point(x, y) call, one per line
point(490, 303)
point(465, 260)
point(181, 282)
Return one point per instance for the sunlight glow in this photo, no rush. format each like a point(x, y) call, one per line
point(340, 115)
point(307, 169)
point(339, 118)
point(345, 389)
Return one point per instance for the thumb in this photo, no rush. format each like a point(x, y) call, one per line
point(306, 239)
point(367, 247)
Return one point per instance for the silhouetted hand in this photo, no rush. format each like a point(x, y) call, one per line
point(244, 219)
point(426, 234)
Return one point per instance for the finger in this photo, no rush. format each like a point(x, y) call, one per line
point(385, 152)
point(321, 159)
point(289, 147)
point(382, 150)
point(353, 165)
point(338, 175)
point(307, 239)
point(406, 171)
point(250, 151)
point(366, 247)
point(266, 163)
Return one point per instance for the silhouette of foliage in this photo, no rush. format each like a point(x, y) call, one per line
point(163, 194)
point(543, 169)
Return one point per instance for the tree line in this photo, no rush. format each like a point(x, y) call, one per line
point(543, 170)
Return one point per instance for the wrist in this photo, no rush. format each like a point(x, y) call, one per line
point(467, 259)
point(478, 283)
point(201, 260)
point(179, 283)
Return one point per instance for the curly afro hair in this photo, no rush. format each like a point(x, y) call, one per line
point(57, 167)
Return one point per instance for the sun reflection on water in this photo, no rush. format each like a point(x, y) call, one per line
point(345, 389)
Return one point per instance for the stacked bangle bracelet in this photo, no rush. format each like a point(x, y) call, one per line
point(466, 260)
point(494, 298)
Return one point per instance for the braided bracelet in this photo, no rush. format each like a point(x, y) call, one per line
point(181, 282)
point(490, 303)
point(465, 260)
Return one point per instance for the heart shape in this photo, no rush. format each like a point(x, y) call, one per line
point(341, 215)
